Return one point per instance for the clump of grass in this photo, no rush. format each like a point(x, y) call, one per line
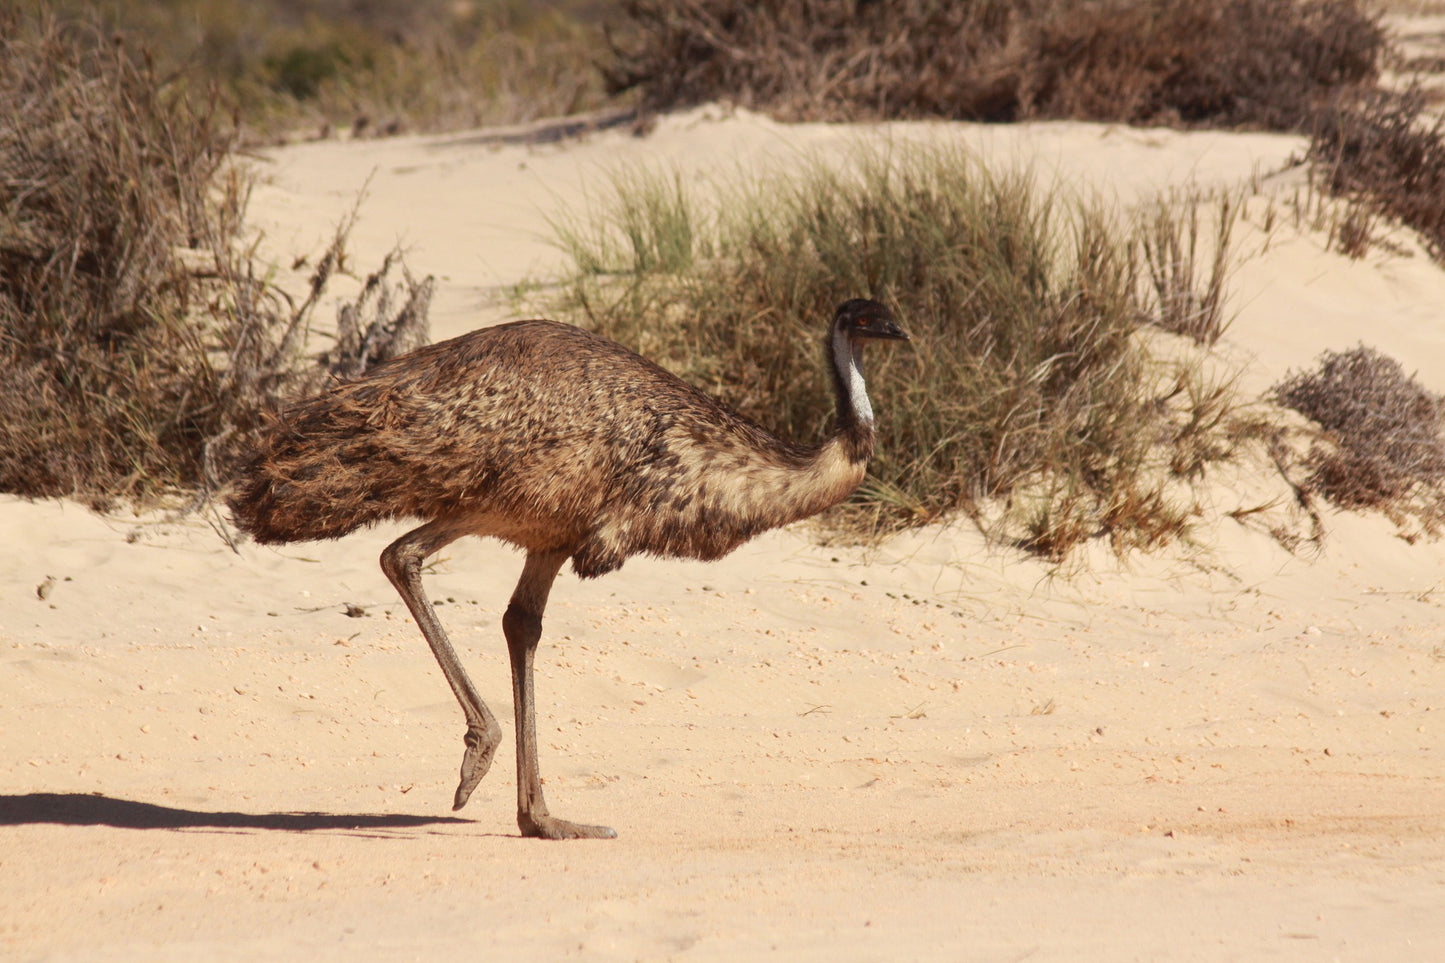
point(1262, 63)
point(1385, 448)
point(1185, 272)
point(138, 339)
point(1027, 383)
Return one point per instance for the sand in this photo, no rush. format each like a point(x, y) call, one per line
point(928, 749)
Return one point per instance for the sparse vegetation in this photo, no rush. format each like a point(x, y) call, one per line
point(1028, 384)
point(318, 66)
point(1258, 63)
point(1298, 65)
point(1380, 151)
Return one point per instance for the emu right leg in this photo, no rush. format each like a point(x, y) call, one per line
point(401, 561)
point(522, 625)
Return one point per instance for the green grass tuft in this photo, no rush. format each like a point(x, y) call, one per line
point(1028, 373)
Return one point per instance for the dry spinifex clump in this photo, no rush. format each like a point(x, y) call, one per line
point(1027, 399)
point(114, 196)
point(1384, 447)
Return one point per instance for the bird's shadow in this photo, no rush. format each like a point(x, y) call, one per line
point(85, 809)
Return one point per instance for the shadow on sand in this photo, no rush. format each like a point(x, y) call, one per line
point(84, 809)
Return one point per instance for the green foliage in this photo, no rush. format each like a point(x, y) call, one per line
point(1027, 373)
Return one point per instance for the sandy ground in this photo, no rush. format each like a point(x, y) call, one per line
point(925, 750)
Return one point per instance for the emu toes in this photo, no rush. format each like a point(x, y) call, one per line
point(550, 827)
point(481, 746)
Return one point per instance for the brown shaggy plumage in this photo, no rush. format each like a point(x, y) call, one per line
point(551, 437)
point(561, 442)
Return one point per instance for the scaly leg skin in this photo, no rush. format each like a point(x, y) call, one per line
point(402, 564)
point(522, 625)
point(482, 742)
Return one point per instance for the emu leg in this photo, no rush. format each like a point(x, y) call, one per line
point(401, 561)
point(522, 625)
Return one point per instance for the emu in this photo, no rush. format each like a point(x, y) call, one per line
point(562, 443)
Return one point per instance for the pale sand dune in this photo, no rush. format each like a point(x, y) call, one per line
point(929, 749)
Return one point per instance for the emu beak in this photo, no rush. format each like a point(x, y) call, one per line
point(889, 331)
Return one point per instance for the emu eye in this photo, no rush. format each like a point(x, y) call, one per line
point(864, 322)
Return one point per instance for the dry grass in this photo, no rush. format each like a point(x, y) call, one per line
point(137, 337)
point(1260, 63)
point(1185, 270)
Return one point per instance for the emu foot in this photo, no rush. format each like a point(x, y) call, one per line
point(550, 827)
point(482, 744)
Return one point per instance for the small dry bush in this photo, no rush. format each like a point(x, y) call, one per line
point(1379, 150)
point(137, 336)
point(1262, 63)
point(375, 327)
point(1027, 384)
point(1384, 428)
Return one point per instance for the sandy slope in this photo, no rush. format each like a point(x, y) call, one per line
point(926, 750)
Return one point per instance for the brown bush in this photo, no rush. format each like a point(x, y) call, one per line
point(135, 334)
point(1262, 63)
point(1385, 429)
point(1378, 149)
point(108, 180)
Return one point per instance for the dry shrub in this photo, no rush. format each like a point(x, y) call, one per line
point(137, 336)
point(1379, 150)
point(1027, 397)
point(374, 328)
point(1387, 449)
point(114, 194)
point(1262, 63)
point(1256, 63)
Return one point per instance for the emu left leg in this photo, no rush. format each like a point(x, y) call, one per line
point(402, 563)
point(522, 625)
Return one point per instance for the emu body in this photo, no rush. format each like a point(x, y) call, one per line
point(563, 443)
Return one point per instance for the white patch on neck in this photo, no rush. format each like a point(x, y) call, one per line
point(850, 362)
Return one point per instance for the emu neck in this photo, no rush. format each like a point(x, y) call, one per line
point(855, 411)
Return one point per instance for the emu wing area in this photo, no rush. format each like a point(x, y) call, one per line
point(536, 432)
